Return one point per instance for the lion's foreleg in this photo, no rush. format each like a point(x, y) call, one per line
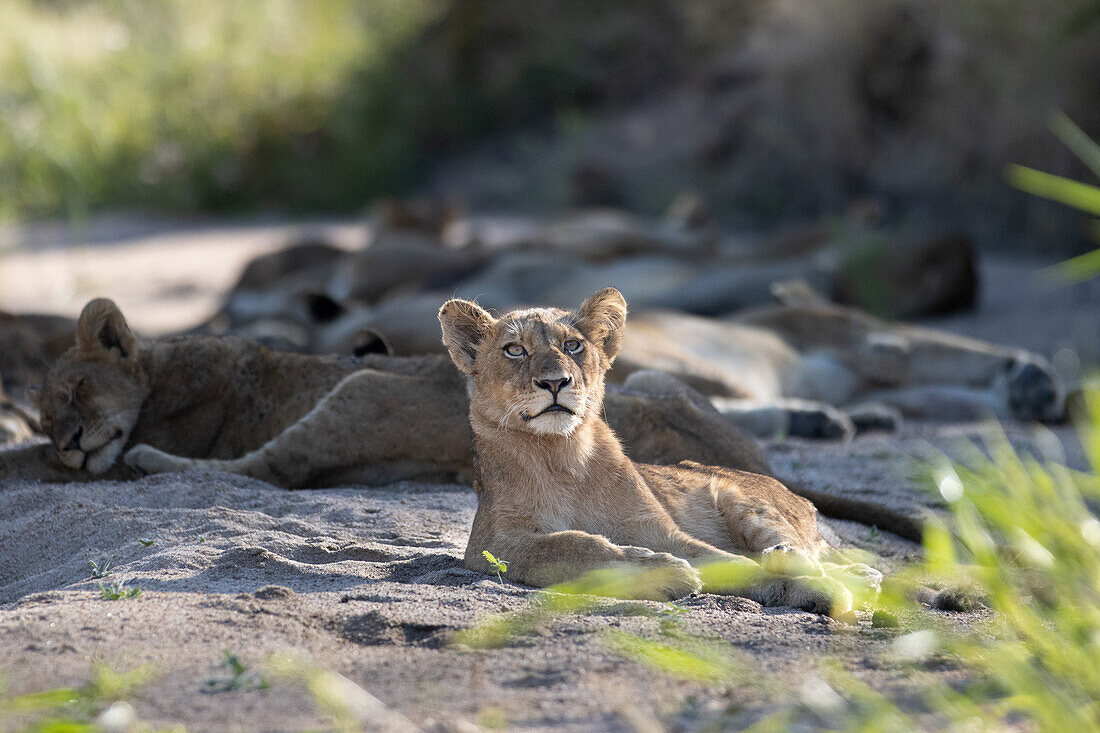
point(600, 566)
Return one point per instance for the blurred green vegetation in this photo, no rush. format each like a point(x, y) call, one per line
point(292, 104)
point(1022, 529)
point(1067, 191)
point(192, 104)
point(321, 105)
point(100, 704)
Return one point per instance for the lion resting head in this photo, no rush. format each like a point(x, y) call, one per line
point(92, 395)
point(539, 370)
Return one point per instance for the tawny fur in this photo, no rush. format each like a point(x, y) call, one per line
point(557, 495)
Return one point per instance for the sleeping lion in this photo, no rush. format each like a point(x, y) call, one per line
point(558, 497)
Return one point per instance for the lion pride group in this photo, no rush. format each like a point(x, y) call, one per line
point(498, 351)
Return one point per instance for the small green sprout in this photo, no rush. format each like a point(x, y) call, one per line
point(103, 568)
point(147, 540)
point(501, 566)
point(671, 616)
point(118, 591)
point(674, 610)
point(240, 677)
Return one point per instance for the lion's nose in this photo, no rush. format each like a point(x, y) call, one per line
point(74, 442)
point(554, 385)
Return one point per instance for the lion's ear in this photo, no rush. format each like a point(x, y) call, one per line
point(369, 341)
point(602, 318)
point(464, 324)
point(102, 329)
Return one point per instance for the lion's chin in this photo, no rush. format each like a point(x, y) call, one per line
point(554, 423)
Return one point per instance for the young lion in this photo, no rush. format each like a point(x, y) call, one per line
point(558, 497)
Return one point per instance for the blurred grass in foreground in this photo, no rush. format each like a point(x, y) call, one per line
point(98, 705)
point(101, 705)
point(301, 105)
point(1067, 191)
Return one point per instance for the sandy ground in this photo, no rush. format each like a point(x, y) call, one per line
point(166, 276)
point(368, 583)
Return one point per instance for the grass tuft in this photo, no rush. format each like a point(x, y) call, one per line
point(118, 591)
point(240, 676)
point(103, 568)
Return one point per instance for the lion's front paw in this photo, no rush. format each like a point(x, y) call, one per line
point(783, 560)
point(816, 594)
point(863, 581)
point(828, 597)
point(147, 459)
point(961, 598)
point(663, 577)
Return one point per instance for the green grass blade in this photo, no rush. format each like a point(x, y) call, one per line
point(1056, 188)
point(694, 659)
point(1075, 270)
point(1074, 138)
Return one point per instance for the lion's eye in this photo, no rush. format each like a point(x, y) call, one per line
point(515, 351)
point(573, 346)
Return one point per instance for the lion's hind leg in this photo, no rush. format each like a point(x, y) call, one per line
point(759, 516)
point(370, 418)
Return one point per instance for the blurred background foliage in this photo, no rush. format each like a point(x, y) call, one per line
point(775, 110)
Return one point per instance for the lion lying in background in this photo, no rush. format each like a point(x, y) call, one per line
point(803, 367)
point(558, 497)
point(29, 343)
point(16, 425)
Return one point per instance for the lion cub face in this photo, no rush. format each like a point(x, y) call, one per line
point(538, 370)
point(92, 395)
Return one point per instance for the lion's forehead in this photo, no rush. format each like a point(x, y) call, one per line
point(543, 315)
point(536, 324)
point(95, 380)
